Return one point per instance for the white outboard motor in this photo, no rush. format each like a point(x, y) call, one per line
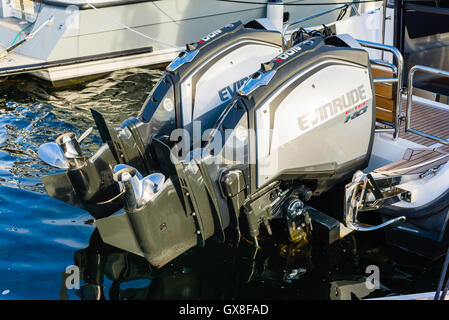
point(311, 122)
point(309, 119)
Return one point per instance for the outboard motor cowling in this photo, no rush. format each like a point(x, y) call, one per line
point(312, 109)
point(190, 95)
point(301, 124)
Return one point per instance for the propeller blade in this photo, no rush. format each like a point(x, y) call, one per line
point(52, 154)
point(84, 135)
point(155, 180)
point(151, 185)
point(119, 167)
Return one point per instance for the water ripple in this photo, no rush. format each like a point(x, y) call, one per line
point(32, 114)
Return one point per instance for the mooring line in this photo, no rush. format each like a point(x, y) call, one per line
point(131, 29)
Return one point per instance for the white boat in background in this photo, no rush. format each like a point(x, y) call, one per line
point(61, 40)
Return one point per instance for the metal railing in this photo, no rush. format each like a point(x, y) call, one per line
point(397, 69)
point(22, 9)
point(385, 64)
point(288, 25)
point(410, 98)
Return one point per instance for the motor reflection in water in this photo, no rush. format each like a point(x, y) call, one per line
point(277, 270)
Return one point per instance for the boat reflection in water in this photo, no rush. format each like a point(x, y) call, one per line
point(220, 271)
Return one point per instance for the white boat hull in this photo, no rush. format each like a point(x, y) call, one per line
point(87, 32)
point(86, 69)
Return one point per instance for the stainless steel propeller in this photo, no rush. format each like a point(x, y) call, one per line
point(138, 190)
point(52, 154)
point(121, 166)
point(66, 147)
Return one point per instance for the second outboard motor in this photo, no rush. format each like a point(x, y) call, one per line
point(194, 89)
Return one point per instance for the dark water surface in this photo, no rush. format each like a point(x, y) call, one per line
point(40, 237)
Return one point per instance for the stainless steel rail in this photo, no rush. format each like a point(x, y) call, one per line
point(385, 129)
point(377, 80)
point(384, 18)
point(22, 9)
point(410, 99)
point(385, 64)
point(397, 69)
point(288, 25)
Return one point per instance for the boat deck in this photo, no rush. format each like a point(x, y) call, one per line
point(416, 161)
point(14, 62)
point(433, 120)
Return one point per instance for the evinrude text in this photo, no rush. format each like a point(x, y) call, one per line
point(331, 108)
point(228, 92)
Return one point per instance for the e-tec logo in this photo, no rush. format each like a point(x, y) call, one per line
point(284, 55)
point(358, 111)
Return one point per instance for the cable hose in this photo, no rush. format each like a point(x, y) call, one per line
point(131, 29)
point(31, 24)
point(14, 41)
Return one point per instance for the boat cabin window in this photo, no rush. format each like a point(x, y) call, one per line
point(425, 41)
